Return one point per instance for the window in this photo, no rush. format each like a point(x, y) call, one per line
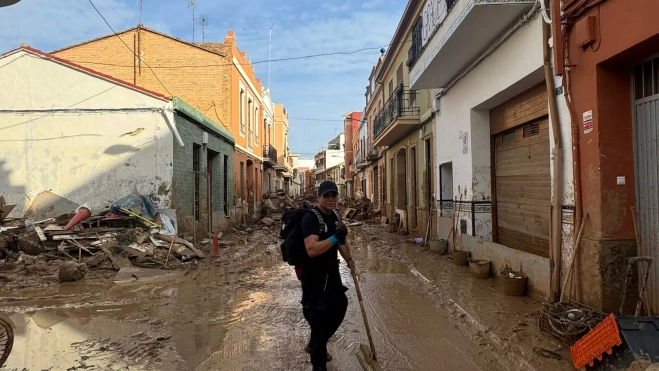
point(646, 79)
point(241, 110)
point(508, 136)
point(391, 86)
point(399, 75)
point(249, 122)
point(256, 126)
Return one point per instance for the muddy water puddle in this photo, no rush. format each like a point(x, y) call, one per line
point(241, 312)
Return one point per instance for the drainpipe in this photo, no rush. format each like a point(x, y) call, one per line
point(557, 176)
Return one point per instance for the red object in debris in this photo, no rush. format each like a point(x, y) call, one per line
point(216, 243)
point(82, 214)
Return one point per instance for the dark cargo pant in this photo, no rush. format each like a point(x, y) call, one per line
point(324, 319)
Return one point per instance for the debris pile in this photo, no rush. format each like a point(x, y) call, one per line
point(277, 203)
point(130, 233)
point(358, 208)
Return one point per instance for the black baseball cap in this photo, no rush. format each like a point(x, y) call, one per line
point(326, 187)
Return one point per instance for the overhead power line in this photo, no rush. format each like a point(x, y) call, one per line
point(249, 63)
point(132, 51)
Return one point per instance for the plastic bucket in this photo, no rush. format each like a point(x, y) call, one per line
point(515, 286)
point(438, 245)
point(461, 258)
point(480, 268)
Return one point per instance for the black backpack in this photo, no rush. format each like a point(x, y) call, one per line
point(293, 250)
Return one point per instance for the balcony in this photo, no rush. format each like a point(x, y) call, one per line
point(398, 118)
point(361, 162)
point(372, 155)
point(269, 155)
point(455, 34)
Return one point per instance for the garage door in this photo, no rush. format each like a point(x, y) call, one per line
point(522, 173)
point(646, 156)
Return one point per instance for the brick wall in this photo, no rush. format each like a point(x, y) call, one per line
point(183, 184)
point(198, 76)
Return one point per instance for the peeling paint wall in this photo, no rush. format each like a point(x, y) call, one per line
point(123, 140)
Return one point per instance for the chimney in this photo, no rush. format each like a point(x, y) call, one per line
point(230, 38)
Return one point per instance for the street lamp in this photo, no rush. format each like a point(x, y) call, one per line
point(4, 3)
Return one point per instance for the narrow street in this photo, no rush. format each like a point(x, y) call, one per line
point(239, 312)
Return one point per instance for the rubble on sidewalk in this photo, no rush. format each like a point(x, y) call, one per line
point(130, 233)
point(359, 209)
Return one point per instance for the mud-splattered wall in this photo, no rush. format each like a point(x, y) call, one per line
point(79, 135)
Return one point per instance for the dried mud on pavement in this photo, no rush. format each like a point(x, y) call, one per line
point(240, 311)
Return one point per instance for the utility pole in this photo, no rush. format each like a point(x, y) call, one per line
point(270, 54)
point(192, 5)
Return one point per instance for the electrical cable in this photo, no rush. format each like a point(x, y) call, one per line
point(122, 41)
point(132, 14)
point(544, 11)
point(309, 56)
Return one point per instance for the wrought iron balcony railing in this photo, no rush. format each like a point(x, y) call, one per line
point(414, 52)
point(270, 152)
point(401, 103)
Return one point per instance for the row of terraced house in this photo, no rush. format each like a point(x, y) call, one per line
point(506, 126)
point(188, 123)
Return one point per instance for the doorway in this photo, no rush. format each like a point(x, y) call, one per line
point(646, 168)
point(415, 190)
point(401, 179)
point(196, 154)
point(376, 189)
point(250, 186)
point(446, 189)
point(225, 180)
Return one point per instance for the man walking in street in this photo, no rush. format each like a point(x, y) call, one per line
point(324, 301)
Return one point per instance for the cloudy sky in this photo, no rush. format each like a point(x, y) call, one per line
point(316, 91)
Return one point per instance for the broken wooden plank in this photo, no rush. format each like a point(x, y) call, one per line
point(54, 227)
point(142, 248)
point(76, 237)
point(81, 246)
point(42, 236)
point(118, 261)
point(179, 240)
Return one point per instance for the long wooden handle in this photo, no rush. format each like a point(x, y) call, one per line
point(570, 271)
point(361, 304)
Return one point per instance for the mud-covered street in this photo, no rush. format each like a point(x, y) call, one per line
point(240, 311)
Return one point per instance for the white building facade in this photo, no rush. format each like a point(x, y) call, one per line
point(269, 151)
point(101, 138)
point(495, 142)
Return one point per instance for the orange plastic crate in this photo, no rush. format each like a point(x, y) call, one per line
point(595, 343)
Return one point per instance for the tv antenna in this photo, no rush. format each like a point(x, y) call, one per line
point(270, 54)
point(192, 5)
point(203, 20)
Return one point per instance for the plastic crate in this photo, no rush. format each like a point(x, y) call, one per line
point(596, 342)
